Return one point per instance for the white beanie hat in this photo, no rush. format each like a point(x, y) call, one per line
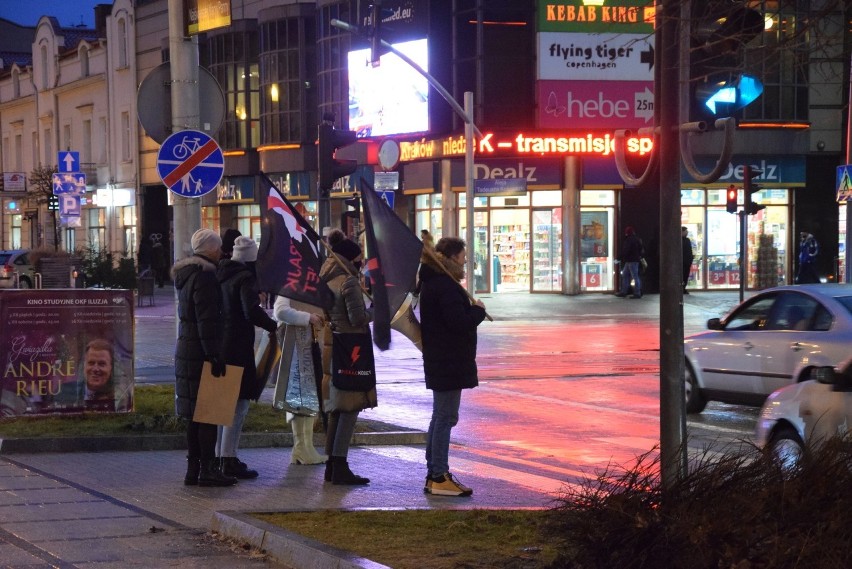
point(245, 250)
point(205, 241)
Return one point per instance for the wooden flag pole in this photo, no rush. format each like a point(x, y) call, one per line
point(432, 255)
point(345, 268)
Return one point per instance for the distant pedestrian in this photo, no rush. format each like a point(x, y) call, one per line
point(199, 339)
point(632, 252)
point(159, 262)
point(301, 321)
point(241, 312)
point(426, 237)
point(348, 318)
point(808, 252)
point(144, 256)
point(686, 251)
point(448, 323)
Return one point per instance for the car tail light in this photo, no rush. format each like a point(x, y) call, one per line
point(6, 271)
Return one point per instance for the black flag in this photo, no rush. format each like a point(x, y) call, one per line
point(288, 259)
point(393, 256)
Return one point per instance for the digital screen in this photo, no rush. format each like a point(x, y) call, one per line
point(392, 98)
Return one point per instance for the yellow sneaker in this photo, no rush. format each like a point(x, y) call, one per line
point(447, 485)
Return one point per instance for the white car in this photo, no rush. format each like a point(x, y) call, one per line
point(806, 413)
point(771, 340)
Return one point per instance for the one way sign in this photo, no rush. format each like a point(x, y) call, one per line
point(844, 183)
point(69, 161)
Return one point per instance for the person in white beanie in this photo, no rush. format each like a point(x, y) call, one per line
point(301, 320)
point(241, 313)
point(199, 339)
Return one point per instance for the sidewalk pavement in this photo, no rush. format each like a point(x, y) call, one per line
point(118, 508)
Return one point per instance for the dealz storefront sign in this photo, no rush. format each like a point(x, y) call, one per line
point(66, 351)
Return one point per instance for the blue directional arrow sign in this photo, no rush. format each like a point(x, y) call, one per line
point(190, 163)
point(68, 161)
point(69, 183)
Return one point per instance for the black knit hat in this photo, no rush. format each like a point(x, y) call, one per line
point(228, 240)
point(347, 249)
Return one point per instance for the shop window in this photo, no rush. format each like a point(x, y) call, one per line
point(96, 222)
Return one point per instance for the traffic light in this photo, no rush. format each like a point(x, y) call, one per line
point(53, 203)
point(731, 204)
point(750, 188)
point(350, 221)
point(330, 168)
point(721, 29)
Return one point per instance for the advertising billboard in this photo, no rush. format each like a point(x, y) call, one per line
point(66, 351)
point(392, 98)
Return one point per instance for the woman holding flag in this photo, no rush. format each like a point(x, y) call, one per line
point(345, 396)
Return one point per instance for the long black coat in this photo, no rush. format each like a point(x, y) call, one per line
point(448, 324)
point(241, 312)
point(199, 327)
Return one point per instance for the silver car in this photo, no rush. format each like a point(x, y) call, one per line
point(15, 261)
point(771, 340)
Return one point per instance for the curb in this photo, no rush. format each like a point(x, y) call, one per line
point(292, 549)
point(178, 442)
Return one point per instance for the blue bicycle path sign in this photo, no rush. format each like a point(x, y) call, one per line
point(190, 163)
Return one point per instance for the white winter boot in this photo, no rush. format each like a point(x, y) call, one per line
point(303, 442)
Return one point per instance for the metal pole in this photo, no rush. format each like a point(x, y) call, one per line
point(743, 254)
point(672, 397)
point(185, 115)
point(847, 253)
point(468, 184)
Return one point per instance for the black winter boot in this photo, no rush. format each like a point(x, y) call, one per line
point(232, 466)
point(193, 468)
point(329, 468)
point(330, 432)
point(341, 475)
point(211, 475)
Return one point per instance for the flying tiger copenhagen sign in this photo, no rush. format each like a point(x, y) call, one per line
point(523, 144)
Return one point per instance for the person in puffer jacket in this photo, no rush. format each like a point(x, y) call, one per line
point(200, 333)
point(348, 314)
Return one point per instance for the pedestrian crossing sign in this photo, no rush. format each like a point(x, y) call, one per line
point(844, 183)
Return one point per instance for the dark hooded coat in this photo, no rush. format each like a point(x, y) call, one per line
point(199, 327)
point(448, 324)
point(241, 312)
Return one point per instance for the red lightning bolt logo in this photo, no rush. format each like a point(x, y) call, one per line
point(356, 353)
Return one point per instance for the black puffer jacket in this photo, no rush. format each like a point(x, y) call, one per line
point(448, 324)
point(199, 327)
point(241, 313)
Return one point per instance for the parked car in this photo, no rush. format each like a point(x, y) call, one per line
point(12, 261)
point(771, 340)
point(806, 413)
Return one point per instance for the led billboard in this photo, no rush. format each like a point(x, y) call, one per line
point(392, 98)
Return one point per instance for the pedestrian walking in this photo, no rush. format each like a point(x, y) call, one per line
point(348, 316)
point(301, 320)
point(448, 323)
point(632, 253)
point(199, 339)
point(686, 251)
point(808, 252)
point(241, 312)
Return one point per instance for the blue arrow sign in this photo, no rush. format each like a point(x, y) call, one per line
point(190, 163)
point(70, 183)
point(68, 161)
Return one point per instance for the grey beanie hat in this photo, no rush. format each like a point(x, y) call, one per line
point(245, 250)
point(205, 241)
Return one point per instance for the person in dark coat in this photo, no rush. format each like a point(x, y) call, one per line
point(632, 252)
point(448, 323)
point(686, 251)
point(241, 313)
point(159, 261)
point(349, 314)
point(200, 333)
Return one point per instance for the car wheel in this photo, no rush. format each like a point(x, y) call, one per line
point(695, 402)
point(24, 282)
point(786, 447)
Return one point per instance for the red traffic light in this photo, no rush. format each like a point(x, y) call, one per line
point(731, 204)
point(330, 168)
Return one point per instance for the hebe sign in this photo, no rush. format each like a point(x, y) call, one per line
point(595, 104)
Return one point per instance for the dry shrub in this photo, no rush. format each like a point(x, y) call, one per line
point(737, 511)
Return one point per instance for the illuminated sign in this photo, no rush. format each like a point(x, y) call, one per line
point(604, 16)
point(521, 144)
point(203, 15)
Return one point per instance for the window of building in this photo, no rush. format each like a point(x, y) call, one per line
point(102, 148)
point(48, 147)
point(332, 50)
point(210, 218)
point(16, 83)
point(15, 231)
point(84, 61)
point(66, 137)
point(122, 43)
point(44, 69)
point(127, 219)
point(96, 223)
point(125, 136)
point(86, 150)
point(19, 152)
point(70, 240)
point(248, 220)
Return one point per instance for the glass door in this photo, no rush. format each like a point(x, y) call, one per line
point(547, 250)
point(510, 250)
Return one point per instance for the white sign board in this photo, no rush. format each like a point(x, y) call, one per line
point(595, 57)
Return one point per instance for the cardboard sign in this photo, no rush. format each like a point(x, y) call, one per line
point(217, 396)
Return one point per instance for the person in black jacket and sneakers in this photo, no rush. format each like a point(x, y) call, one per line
point(448, 323)
point(200, 333)
point(241, 312)
point(632, 252)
